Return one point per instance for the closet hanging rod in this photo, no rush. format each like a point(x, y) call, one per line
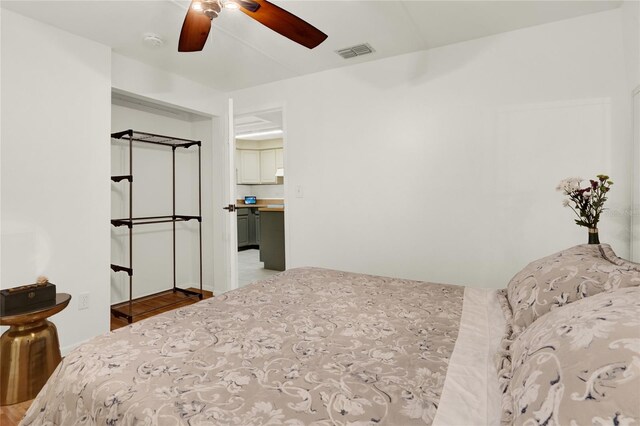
point(153, 219)
point(154, 139)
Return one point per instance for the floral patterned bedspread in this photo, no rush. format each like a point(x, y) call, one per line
point(308, 346)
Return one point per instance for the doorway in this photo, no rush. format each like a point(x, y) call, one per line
point(154, 256)
point(260, 196)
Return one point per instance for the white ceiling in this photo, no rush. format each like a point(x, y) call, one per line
point(257, 123)
point(241, 52)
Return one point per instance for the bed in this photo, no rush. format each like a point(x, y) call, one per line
point(560, 345)
point(308, 346)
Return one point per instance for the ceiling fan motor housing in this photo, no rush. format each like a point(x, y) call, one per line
point(211, 8)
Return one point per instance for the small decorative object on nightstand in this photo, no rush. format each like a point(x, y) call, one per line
point(28, 297)
point(29, 350)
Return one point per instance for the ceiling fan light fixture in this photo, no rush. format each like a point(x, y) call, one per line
point(210, 8)
point(229, 4)
point(260, 133)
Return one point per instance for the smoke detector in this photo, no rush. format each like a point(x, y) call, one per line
point(152, 40)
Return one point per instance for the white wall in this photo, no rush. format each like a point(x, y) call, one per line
point(630, 11)
point(153, 271)
point(134, 77)
point(261, 191)
point(631, 33)
point(55, 168)
point(442, 165)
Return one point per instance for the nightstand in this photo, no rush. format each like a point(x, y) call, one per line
point(29, 352)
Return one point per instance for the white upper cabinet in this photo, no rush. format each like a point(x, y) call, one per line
point(258, 161)
point(268, 166)
point(249, 170)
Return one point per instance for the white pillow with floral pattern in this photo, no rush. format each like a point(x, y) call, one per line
point(579, 365)
point(565, 277)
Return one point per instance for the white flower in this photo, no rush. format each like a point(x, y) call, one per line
point(565, 203)
point(569, 185)
point(575, 182)
point(586, 194)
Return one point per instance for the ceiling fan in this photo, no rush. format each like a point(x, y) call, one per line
point(197, 23)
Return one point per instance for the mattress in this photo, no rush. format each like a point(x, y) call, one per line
point(308, 346)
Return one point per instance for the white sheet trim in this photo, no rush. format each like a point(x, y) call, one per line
point(470, 396)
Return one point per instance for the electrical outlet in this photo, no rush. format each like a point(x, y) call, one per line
point(83, 301)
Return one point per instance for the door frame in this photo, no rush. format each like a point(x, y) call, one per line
point(213, 119)
point(232, 255)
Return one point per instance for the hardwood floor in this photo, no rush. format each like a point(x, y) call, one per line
point(10, 415)
point(156, 304)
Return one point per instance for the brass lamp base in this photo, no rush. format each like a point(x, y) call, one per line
point(29, 353)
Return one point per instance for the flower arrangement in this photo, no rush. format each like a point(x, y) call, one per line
point(588, 202)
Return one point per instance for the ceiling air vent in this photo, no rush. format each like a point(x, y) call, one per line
point(353, 51)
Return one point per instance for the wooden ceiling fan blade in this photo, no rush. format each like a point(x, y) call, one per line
point(286, 24)
point(195, 31)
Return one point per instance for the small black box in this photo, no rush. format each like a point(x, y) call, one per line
point(27, 298)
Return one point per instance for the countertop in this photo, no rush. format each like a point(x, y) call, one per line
point(263, 205)
point(252, 206)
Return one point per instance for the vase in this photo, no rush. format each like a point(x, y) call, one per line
point(593, 236)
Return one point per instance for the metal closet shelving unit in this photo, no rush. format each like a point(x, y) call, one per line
point(126, 310)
